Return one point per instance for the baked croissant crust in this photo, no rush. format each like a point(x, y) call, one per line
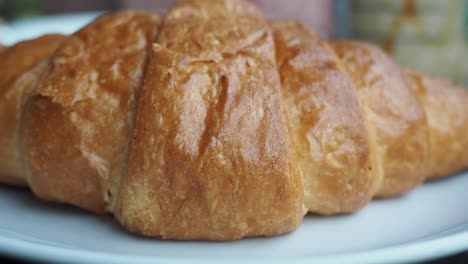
point(335, 151)
point(87, 102)
point(22, 66)
point(446, 106)
point(212, 123)
point(395, 113)
point(212, 156)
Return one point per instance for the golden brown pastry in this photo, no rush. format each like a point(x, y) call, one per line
point(212, 157)
point(2, 48)
point(21, 66)
point(395, 113)
point(242, 126)
point(81, 119)
point(446, 106)
point(334, 149)
point(23, 55)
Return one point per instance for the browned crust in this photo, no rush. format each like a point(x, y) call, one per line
point(81, 119)
point(21, 67)
point(446, 106)
point(212, 157)
point(215, 155)
point(24, 55)
point(396, 114)
point(332, 139)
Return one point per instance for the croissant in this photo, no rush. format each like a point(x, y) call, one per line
point(213, 123)
point(395, 114)
point(21, 68)
point(447, 117)
point(332, 140)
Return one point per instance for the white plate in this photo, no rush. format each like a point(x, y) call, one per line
point(33, 27)
point(428, 223)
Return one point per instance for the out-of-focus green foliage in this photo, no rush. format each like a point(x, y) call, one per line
point(14, 9)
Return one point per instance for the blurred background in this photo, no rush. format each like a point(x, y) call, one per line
point(430, 35)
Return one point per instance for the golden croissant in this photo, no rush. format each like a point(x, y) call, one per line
point(213, 123)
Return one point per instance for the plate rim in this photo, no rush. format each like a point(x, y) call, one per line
point(406, 252)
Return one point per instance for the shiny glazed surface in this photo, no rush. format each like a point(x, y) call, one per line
point(396, 115)
point(333, 145)
point(21, 67)
point(235, 123)
point(212, 157)
point(81, 119)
